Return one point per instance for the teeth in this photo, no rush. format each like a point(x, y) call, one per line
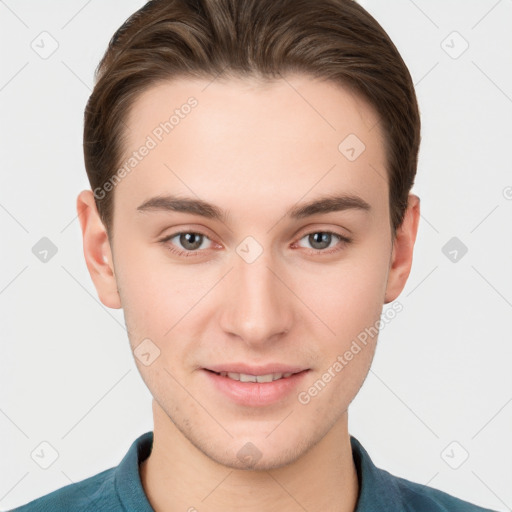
point(264, 378)
point(244, 377)
point(247, 378)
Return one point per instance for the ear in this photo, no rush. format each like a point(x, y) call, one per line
point(403, 245)
point(97, 251)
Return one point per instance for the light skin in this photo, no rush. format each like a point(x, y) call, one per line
point(255, 151)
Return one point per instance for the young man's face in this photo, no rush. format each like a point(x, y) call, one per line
point(257, 286)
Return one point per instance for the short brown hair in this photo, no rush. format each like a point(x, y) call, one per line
point(336, 40)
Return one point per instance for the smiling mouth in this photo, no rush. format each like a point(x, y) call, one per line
point(245, 377)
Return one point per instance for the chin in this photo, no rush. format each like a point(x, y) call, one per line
point(260, 452)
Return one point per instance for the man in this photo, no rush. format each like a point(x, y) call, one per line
point(250, 164)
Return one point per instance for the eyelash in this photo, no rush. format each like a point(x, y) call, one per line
point(344, 241)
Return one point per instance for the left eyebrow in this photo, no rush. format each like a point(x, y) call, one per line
point(322, 205)
point(329, 204)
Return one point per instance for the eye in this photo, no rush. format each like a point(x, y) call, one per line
point(191, 241)
point(322, 240)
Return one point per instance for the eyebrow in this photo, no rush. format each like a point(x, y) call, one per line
point(322, 205)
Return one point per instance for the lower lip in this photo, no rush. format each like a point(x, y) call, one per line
point(256, 393)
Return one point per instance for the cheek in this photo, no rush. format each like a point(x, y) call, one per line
point(351, 309)
point(146, 299)
point(160, 302)
point(348, 297)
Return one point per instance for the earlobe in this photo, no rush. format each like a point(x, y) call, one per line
point(97, 251)
point(403, 247)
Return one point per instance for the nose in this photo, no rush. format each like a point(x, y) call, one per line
point(257, 305)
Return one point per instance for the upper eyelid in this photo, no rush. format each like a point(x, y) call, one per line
point(342, 237)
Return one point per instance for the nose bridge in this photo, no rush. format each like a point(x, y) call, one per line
point(257, 306)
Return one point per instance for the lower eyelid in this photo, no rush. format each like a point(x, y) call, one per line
point(341, 240)
point(174, 235)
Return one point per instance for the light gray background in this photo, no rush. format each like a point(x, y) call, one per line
point(442, 371)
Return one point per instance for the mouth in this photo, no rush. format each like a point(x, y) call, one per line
point(255, 387)
point(247, 377)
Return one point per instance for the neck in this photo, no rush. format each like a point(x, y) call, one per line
point(179, 477)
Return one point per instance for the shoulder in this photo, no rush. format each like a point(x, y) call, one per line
point(117, 488)
point(380, 490)
point(94, 493)
point(421, 498)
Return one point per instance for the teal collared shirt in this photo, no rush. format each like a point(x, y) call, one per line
point(120, 489)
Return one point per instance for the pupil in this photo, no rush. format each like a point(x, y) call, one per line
point(188, 238)
point(324, 239)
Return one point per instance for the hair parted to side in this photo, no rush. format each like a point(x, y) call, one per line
point(336, 40)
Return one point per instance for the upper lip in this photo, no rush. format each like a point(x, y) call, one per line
point(255, 370)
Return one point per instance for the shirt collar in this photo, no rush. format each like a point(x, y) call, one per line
point(377, 488)
point(127, 480)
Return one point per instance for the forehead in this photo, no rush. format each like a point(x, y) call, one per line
point(279, 107)
point(267, 140)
